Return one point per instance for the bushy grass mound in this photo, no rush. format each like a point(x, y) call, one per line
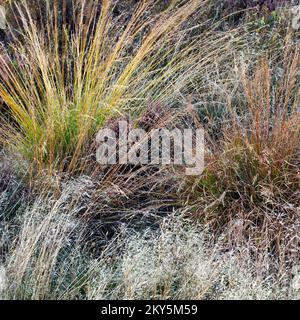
point(73, 229)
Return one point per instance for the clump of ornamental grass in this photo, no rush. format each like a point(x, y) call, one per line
point(54, 238)
point(61, 81)
point(250, 188)
point(43, 260)
point(176, 261)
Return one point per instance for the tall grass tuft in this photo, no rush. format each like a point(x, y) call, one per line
point(249, 191)
point(61, 79)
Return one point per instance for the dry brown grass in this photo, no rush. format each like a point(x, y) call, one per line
point(122, 232)
point(249, 191)
point(176, 261)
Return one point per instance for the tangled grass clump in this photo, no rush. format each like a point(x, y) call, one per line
point(174, 262)
point(61, 80)
point(71, 228)
point(250, 191)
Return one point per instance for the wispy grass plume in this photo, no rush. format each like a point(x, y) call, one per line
point(61, 80)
